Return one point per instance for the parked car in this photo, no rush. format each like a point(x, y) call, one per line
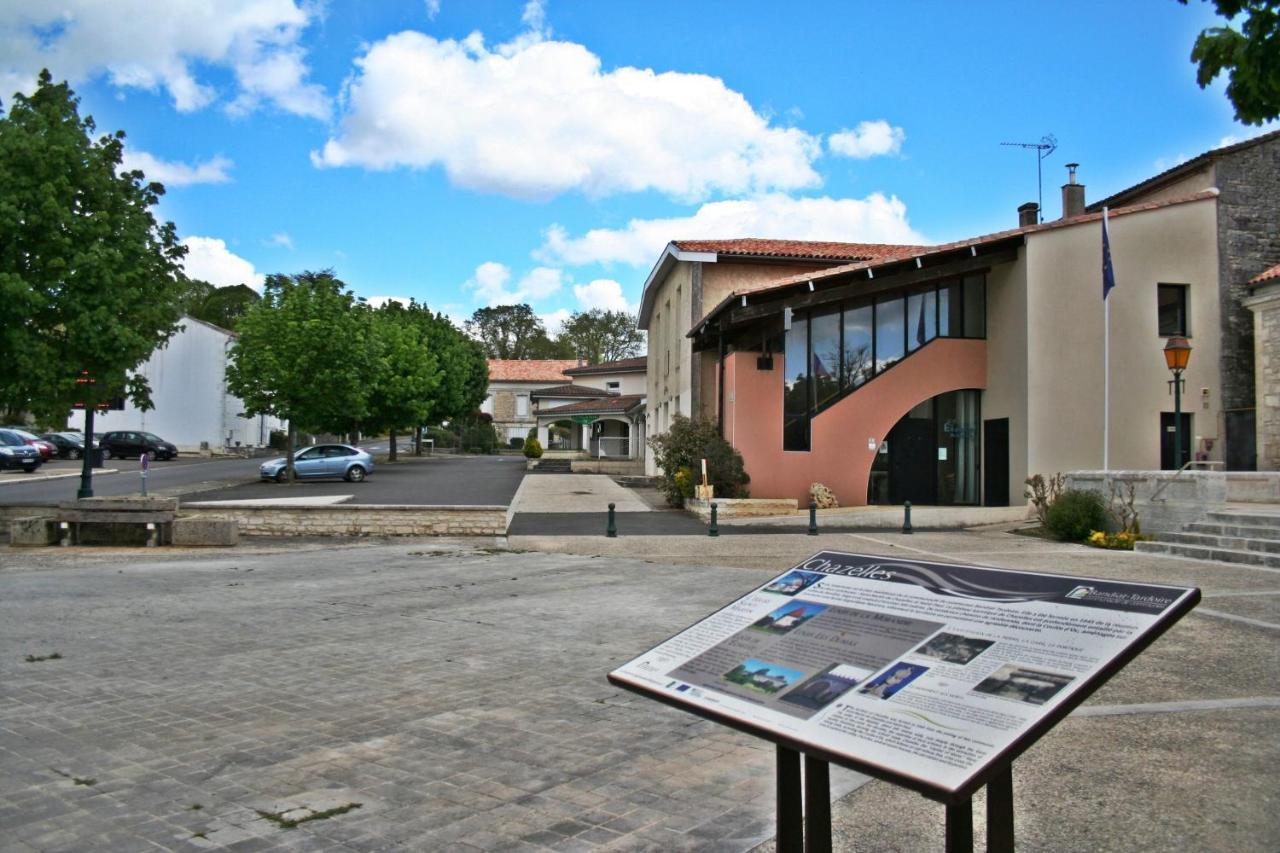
point(47, 449)
point(322, 460)
point(121, 444)
point(70, 445)
point(16, 453)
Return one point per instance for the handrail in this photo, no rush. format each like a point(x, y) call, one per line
point(1178, 473)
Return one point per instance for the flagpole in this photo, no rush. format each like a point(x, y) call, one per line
point(1106, 367)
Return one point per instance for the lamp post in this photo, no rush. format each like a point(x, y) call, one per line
point(1177, 352)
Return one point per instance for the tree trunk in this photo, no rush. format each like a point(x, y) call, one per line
point(391, 454)
point(417, 441)
point(288, 459)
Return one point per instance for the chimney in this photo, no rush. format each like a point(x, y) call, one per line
point(1028, 214)
point(1072, 194)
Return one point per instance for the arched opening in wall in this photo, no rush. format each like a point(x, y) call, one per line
point(611, 438)
point(931, 456)
point(564, 435)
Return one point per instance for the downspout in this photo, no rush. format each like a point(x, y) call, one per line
point(720, 386)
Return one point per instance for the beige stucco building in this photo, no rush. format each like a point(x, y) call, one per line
point(946, 374)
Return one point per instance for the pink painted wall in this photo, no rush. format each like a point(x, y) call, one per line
point(839, 457)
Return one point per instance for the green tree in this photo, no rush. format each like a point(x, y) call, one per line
point(463, 364)
point(679, 452)
point(90, 283)
point(1249, 55)
point(306, 353)
point(599, 336)
point(407, 374)
point(507, 331)
point(221, 306)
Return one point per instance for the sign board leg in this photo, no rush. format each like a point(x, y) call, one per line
point(960, 827)
point(790, 806)
point(817, 806)
point(1000, 812)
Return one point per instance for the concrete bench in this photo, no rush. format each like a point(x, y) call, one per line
point(117, 521)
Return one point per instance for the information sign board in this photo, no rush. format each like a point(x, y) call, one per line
point(930, 675)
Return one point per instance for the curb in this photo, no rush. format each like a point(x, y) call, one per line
point(43, 477)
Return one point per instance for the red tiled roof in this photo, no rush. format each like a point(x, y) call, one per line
point(611, 406)
point(823, 250)
point(626, 365)
point(571, 391)
point(530, 369)
point(928, 251)
point(1266, 275)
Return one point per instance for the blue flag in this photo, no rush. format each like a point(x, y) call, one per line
point(1108, 271)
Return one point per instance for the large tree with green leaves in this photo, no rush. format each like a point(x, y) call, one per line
point(407, 376)
point(508, 331)
point(599, 336)
point(1250, 55)
point(221, 306)
point(307, 352)
point(90, 283)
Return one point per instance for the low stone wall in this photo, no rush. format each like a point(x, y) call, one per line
point(607, 466)
point(742, 507)
point(360, 520)
point(1179, 497)
point(1253, 486)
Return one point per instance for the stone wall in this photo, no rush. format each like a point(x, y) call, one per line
point(1265, 305)
point(1248, 243)
point(1164, 502)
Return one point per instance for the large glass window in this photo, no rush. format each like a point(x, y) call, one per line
point(795, 394)
point(857, 363)
point(890, 332)
point(950, 304)
point(1171, 305)
point(975, 306)
point(825, 357)
point(922, 318)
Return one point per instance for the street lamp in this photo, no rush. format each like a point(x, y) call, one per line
point(1177, 352)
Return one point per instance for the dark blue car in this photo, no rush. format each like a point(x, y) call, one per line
point(16, 453)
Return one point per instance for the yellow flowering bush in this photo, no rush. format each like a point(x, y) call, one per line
point(1121, 541)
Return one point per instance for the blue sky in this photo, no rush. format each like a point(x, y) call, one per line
point(475, 152)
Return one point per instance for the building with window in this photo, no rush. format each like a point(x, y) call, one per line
point(600, 414)
point(511, 383)
point(949, 374)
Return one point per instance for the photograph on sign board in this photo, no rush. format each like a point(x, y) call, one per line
point(824, 688)
point(765, 677)
point(893, 679)
point(953, 648)
point(788, 617)
point(1023, 684)
point(793, 582)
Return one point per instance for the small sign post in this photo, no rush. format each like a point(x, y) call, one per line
point(931, 676)
point(144, 465)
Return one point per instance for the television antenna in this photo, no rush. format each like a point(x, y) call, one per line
point(1046, 146)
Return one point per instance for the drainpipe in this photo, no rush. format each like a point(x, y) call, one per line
point(720, 387)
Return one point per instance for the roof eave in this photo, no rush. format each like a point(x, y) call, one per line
point(671, 255)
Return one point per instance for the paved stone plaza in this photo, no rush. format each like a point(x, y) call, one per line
point(457, 695)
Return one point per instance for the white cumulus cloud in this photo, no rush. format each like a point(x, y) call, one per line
point(209, 259)
point(174, 174)
point(874, 219)
point(491, 279)
point(281, 240)
point(534, 118)
point(379, 301)
point(602, 293)
point(868, 139)
point(555, 320)
point(165, 45)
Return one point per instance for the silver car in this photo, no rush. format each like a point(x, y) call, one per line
point(16, 453)
point(322, 460)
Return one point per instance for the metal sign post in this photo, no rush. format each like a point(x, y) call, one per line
point(930, 676)
point(144, 464)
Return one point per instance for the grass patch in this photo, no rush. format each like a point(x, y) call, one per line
point(79, 780)
point(1036, 532)
point(38, 658)
point(283, 822)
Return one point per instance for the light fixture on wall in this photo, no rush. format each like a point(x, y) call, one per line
point(1177, 352)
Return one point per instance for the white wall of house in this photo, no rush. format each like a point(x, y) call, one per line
point(625, 383)
point(188, 389)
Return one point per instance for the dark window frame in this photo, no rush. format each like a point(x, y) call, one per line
point(1183, 291)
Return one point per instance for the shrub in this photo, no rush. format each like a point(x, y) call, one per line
point(441, 437)
point(1121, 541)
point(532, 448)
point(684, 446)
point(515, 443)
point(479, 437)
point(684, 483)
point(1075, 515)
point(278, 439)
point(1042, 493)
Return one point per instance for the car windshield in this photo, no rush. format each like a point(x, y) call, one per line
point(22, 433)
point(150, 436)
point(8, 439)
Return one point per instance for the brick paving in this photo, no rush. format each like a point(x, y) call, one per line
point(457, 696)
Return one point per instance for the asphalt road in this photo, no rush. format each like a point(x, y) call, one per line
point(477, 480)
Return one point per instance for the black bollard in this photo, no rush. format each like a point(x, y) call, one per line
point(906, 517)
point(714, 529)
point(813, 518)
point(612, 530)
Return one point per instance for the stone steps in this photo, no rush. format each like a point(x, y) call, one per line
point(553, 466)
point(1241, 537)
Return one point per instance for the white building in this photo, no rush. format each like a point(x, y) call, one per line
point(600, 413)
point(192, 407)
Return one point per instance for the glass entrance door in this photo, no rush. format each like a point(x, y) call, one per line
point(931, 456)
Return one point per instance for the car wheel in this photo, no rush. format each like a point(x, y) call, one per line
point(106, 454)
point(282, 475)
point(355, 474)
point(30, 469)
point(77, 454)
point(151, 456)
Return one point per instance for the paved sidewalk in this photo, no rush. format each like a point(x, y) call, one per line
point(575, 493)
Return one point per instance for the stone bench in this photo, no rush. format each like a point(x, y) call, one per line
point(117, 521)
